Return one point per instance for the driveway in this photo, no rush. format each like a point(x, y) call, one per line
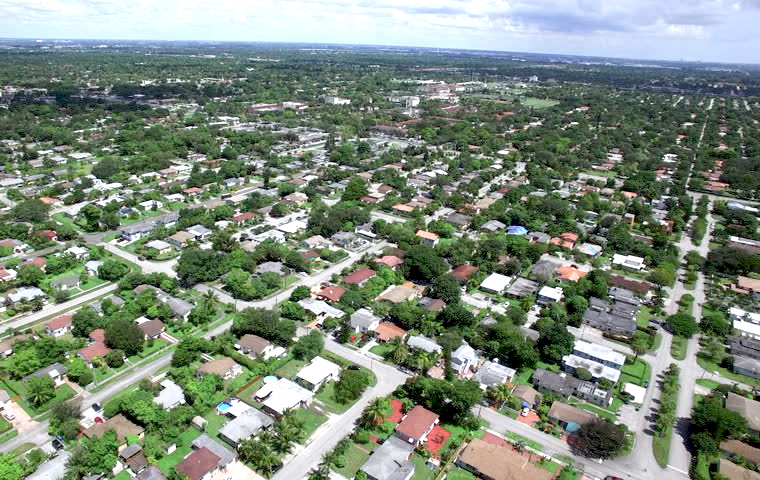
point(22, 421)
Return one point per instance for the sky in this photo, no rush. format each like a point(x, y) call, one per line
point(701, 30)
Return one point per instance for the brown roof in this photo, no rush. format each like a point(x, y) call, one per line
point(417, 422)
point(749, 409)
point(463, 272)
point(38, 262)
point(151, 328)
point(118, 424)
point(435, 305)
point(332, 293)
point(733, 471)
point(642, 288)
point(388, 331)
point(219, 366)
point(748, 452)
point(569, 414)
point(747, 283)
point(389, 261)
point(524, 392)
point(198, 464)
point(98, 335)
point(253, 343)
point(359, 276)
point(500, 463)
point(60, 322)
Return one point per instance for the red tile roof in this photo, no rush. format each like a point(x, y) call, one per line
point(98, 335)
point(387, 331)
point(198, 464)
point(332, 293)
point(243, 217)
point(389, 261)
point(359, 276)
point(417, 422)
point(463, 272)
point(60, 322)
point(99, 350)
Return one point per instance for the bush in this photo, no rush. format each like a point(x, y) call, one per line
point(115, 358)
point(362, 436)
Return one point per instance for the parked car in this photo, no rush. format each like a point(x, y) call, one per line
point(8, 415)
point(525, 411)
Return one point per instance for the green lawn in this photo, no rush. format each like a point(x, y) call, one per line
point(642, 318)
point(538, 102)
point(354, 459)
point(421, 470)
point(661, 447)
point(523, 377)
point(606, 414)
point(549, 466)
point(215, 422)
point(326, 397)
point(4, 425)
point(123, 475)
point(638, 373)
point(168, 462)
point(678, 348)
point(311, 422)
point(383, 349)
point(458, 435)
point(457, 473)
point(518, 438)
point(711, 384)
point(656, 343)
point(290, 369)
point(7, 436)
point(727, 374)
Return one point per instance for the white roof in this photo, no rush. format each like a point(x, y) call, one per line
point(158, 245)
point(553, 293)
point(742, 316)
point(282, 395)
point(628, 261)
point(597, 369)
point(749, 329)
point(318, 370)
point(496, 282)
point(319, 307)
point(599, 351)
point(636, 391)
point(293, 227)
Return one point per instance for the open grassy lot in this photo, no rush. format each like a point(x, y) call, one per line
point(354, 459)
point(638, 372)
point(168, 462)
point(311, 422)
point(661, 447)
point(538, 102)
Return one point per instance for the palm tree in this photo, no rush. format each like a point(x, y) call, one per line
point(282, 443)
point(267, 462)
point(376, 412)
point(639, 345)
point(249, 450)
point(400, 353)
point(423, 362)
point(209, 299)
point(499, 394)
point(40, 392)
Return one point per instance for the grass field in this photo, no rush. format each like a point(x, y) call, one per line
point(383, 349)
point(168, 462)
point(642, 319)
point(727, 374)
point(711, 384)
point(290, 369)
point(457, 473)
point(326, 397)
point(607, 415)
point(517, 438)
point(311, 422)
point(661, 447)
point(678, 348)
point(538, 102)
point(421, 471)
point(354, 459)
point(637, 373)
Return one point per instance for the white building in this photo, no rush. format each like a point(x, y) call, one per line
point(317, 373)
point(628, 261)
point(336, 101)
point(495, 283)
point(744, 322)
point(549, 295)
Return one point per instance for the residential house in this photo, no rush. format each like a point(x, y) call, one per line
point(120, 425)
point(317, 373)
point(254, 346)
point(517, 230)
point(526, 394)
point(599, 360)
point(463, 359)
point(180, 239)
point(247, 425)
point(159, 246)
point(742, 346)
point(390, 461)
point(16, 246)
point(272, 267)
point(7, 274)
point(320, 310)
point(434, 305)
point(80, 253)
point(200, 233)
point(346, 240)
point(390, 261)
point(199, 465)
point(491, 374)
point(55, 372)
point(359, 277)
point(569, 417)
point(316, 242)
point(59, 326)
point(739, 450)
point(459, 220)
point(6, 346)
point(629, 262)
point(539, 237)
point(559, 384)
point(522, 287)
point(280, 396)
point(747, 324)
point(226, 456)
point(428, 238)
point(243, 217)
point(748, 409)
point(463, 273)
point(132, 233)
point(492, 226)
point(170, 396)
point(330, 293)
point(69, 282)
point(423, 343)
point(96, 349)
point(134, 458)
point(97, 307)
point(569, 274)
point(489, 461)
point(24, 294)
point(747, 286)
point(566, 240)
point(749, 367)
point(92, 267)
point(151, 473)
point(225, 367)
point(400, 293)
point(416, 425)
point(363, 321)
point(549, 295)
point(731, 471)
point(495, 283)
point(151, 329)
point(387, 331)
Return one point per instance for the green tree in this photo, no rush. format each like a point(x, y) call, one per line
point(112, 270)
point(10, 467)
point(299, 293)
point(124, 334)
point(309, 346)
point(682, 324)
point(39, 390)
point(422, 263)
point(446, 288)
point(601, 439)
point(351, 385)
point(29, 275)
point(355, 189)
point(93, 455)
point(23, 362)
point(376, 412)
point(31, 210)
point(639, 344)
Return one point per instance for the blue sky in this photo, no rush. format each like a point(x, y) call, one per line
point(706, 30)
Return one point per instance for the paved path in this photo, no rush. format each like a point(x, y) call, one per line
point(388, 379)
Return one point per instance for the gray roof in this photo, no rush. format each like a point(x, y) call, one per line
point(151, 473)
point(141, 227)
point(363, 318)
point(390, 460)
point(491, 374)
point(67, 281)
point(522, 287)
point(130, 450)
point(224, 454)
point(271, 267)
point(251, 422)
point(560, 384)
point(493, 225)
point(459, 219)
point(45, 371)
point(179, 306)
point(423, 343)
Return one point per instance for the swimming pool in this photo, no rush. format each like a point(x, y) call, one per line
point(223, 407)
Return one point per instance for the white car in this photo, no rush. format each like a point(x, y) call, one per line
point(525, 411)
point(8, 415)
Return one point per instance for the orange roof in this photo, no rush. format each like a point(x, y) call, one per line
point(403, 208)
point(389, 261)
point(387, 331)
point(426, 235)
point(463, 272)
point(570, 274)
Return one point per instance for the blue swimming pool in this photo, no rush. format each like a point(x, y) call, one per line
point(223, 407)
